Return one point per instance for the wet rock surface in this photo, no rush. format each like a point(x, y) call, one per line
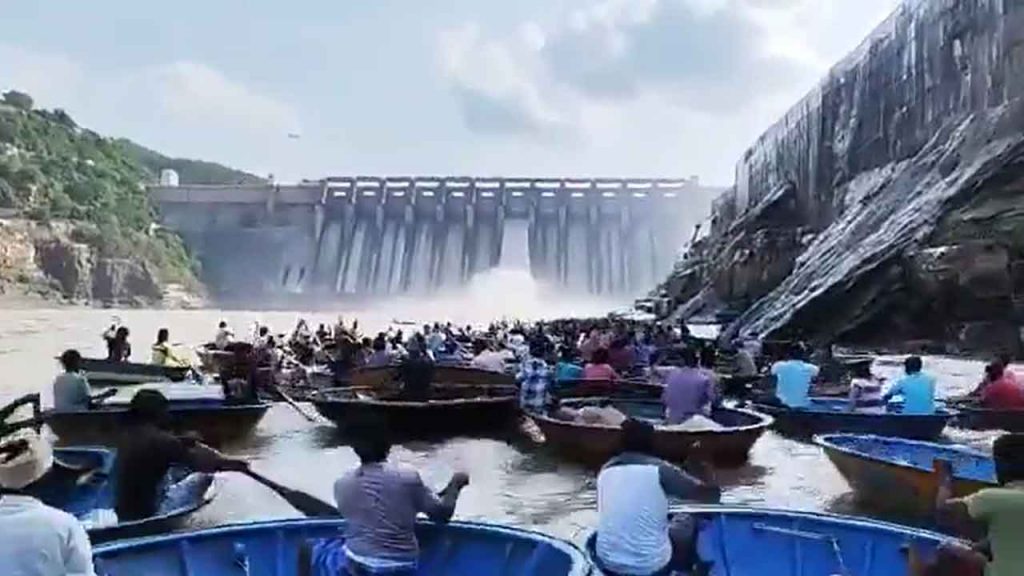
point(889, 203)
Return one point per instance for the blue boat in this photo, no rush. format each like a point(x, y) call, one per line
point(895, 473)
point(82, 484)
point(751, 541)
point(272, 549)
point(825, 416)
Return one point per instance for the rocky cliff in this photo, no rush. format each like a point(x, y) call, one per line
point(887, 205)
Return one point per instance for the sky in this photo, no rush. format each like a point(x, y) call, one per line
point(306, 89)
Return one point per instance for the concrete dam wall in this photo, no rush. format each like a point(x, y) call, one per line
point(378, 236)
point(889, 202)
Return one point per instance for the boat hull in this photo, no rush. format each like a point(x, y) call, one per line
point(97, 492)
point(127, 373)
point(982, 419)
point(434, 417)
point(379, 376)
point(828, 416)
point(272, 549)
point(896, 474)
point(749, 541)
point(595, 444)
point(217, 423)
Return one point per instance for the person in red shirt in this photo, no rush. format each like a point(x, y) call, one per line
point(1002, 392)
point(598, 367)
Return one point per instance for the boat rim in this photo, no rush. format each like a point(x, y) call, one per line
point(764, 420)
point(317, 400)
point(209, 494)
point(172, 409)
point(940, 411)
point(826, 441)
point(581, 564)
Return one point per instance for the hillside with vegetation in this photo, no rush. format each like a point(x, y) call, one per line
point(76, 215)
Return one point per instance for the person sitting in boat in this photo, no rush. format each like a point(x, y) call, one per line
point(793, 377)
point(71, 392)
point(567, 368)
point(118, 348)
point(997, 511)
point(416, 373)
point(380, 356)
point(635, 535)
point(1000, 392)
point(38, 540)
point(688, 391)
point(744, 365)
point(866, 395)
point(916, 387)
point(380, 503)
point(224, 336)
point(621, 355)
point(598, 368)
point(534, 379)
point(163, 353)
point(486, 359)
point(147, 452)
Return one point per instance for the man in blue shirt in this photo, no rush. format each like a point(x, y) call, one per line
point(916, 387)
point(793, 378)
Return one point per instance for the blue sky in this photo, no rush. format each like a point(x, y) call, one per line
point(390, 87)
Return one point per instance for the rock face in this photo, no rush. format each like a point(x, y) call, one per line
point(889, 203)
point(44, 258)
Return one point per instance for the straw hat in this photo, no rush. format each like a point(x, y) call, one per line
point(28, 466)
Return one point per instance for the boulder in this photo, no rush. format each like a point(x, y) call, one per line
point(124, 281)
point(68, 263)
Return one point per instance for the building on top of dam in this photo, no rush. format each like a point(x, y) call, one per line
point(379, 236)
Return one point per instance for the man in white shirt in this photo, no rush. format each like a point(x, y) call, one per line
point(38, 540)
point(224, 336)
point(486, 359)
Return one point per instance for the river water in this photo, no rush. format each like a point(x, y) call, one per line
point(512, 480)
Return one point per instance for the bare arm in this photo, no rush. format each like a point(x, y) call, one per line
point(440, 508)
point(951, 513)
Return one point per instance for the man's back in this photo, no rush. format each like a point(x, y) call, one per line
point(70, 392)
point(1003, 394)
point(918, 391)
point(793, 381)
point(687, 392)
point(380, 503)
point(41, 541)
point(144, 456)
point(1002, 510)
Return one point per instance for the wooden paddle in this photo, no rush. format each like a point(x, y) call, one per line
point(289, 401)
point(305, 503)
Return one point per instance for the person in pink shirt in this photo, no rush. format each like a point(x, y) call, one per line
point(598, 368)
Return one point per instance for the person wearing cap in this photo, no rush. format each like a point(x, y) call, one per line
point(37, 540)
point(147, 451)
point(71, 392)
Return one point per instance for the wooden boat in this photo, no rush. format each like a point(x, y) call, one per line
point(272, 549)
point(452, 409)
point(113, 373)
point(216, 421)
point(82, 483)
point(443, 374)
point(213, 360)
point(596, 443)
point(887, 472)
point(977, 418)
point(734, 541)
point(825, 415)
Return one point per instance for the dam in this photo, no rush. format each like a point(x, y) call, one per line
point(373, 236)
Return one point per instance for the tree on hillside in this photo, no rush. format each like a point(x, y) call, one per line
point(19, 100)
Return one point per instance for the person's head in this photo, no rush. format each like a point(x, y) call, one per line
point(162, 336)
point(912, 365)
point(222, 325)
point(1008, 452)
point(537, 348)
point(600, 356)
point(994, 371)
point(371, 442)
point(637, 436)
point(379, 344)
point(121, 333)
point(71, 360)
point(271, 342)
point(567, 354)
point(148, 407)
point(1005, 358)
point(25, 458)
point(796, 351)
point(264, 330)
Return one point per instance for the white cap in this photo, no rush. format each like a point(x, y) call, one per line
point(28, 466)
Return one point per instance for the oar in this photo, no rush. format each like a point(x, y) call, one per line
point(305, 503)
point(288, 400)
